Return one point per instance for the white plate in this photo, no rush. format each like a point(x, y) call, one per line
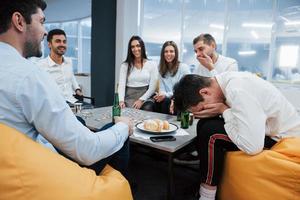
point(173, 127)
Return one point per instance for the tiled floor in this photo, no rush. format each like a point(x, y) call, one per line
point(148, 177)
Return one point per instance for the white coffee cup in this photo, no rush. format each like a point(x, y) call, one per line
point(77, 107)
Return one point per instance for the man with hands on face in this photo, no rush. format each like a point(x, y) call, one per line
point(210, 62)
point(237, 111)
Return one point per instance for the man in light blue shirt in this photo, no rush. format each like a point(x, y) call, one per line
point(31, 101)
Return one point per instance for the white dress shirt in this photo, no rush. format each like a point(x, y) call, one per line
point(223, 64)
point(257, 108)
point(31, 103)
point(147, 76)
point(167, 83)
point(63, 75)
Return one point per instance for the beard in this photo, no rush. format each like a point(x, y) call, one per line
point(58, 51)
point(32, 49)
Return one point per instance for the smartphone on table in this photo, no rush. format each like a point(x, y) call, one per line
point(163, 138)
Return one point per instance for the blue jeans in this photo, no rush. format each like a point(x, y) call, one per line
point(119, 160)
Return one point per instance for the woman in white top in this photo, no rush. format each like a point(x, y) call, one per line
point(171, 70)
point(138, 77)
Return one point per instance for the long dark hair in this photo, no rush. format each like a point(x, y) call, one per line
point(164, 67)
point(130, 57)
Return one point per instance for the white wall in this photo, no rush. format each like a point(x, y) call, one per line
point(127, 18)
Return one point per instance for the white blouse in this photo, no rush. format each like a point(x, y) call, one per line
point(147, 76)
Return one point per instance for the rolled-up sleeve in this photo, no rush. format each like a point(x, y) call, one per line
point(45, 108)
point(245, 122)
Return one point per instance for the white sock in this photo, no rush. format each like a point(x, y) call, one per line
point(194, 153)
point(207, 194)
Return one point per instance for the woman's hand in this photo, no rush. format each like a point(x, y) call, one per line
point(122, 104)
point(172, 107)
point(159, 97)
point(138, 104)
point(211, 110)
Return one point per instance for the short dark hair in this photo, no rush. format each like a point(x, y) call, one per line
point(55, 32)
point(25, 7)
point(186, 91)
point(206, 38)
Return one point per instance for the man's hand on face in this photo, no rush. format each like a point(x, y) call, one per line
point(127, 121)
point(211, 110)
point(206, 61)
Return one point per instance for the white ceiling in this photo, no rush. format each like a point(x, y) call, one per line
point(67, 10)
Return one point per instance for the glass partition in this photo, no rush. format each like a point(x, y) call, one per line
point(286, 51)
point(161, 22)
point(79, 43)
point(249, 34)
point(262, 35)
point(201, 17)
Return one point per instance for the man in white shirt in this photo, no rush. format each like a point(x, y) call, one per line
point(210, 62)
point(60, 67)
point(254, 115)
point(31, 101)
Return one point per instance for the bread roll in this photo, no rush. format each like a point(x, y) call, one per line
point(160, 124)
point(166, 125)
point(156, 125)
point(150, 125)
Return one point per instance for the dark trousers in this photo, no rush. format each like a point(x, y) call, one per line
point(212, 144)
point(148, 105)
point(163, 106)
point(119, 160)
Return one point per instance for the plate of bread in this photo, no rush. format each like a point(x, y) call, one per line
point(156, 126)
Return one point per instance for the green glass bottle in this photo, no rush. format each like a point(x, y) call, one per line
point(185, 116)
point(116, 109)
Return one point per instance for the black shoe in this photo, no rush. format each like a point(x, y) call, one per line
point(187, 159)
